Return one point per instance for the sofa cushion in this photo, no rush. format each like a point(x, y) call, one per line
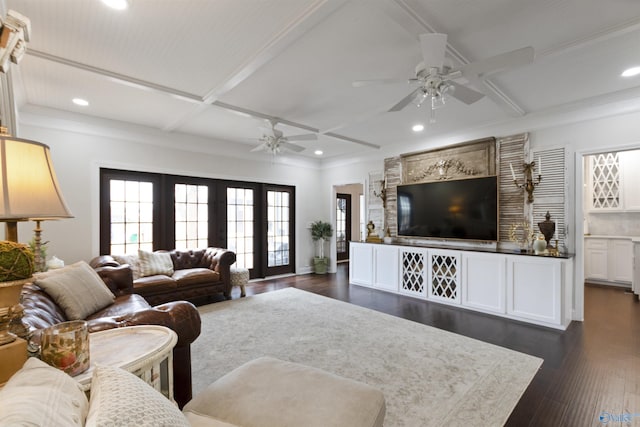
point(152, 263)
point(40, 395)
point(119, 398)
point(133, 261)
point(195, 276)
point(123, 305)
point(285, 394)
point(77, 289)
point(156, 283)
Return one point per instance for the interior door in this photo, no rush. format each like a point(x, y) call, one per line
point(343, 226)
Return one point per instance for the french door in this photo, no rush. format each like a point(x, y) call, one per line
point(140, 210)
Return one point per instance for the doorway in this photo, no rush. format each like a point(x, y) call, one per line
point(611, 210)
point(343, 226)
point(347, 220)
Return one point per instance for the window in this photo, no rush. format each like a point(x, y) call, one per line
point(240, 225)
point(131, 212)
point(191, 216)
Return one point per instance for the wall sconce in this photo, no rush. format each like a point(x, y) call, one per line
point(529, 184)
point(382, 193)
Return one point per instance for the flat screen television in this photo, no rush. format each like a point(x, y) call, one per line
point(465, 209)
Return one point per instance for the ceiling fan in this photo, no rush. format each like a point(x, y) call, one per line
point(273, 140)
point(437, 81)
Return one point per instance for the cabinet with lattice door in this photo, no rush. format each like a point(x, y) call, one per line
point(444, 276)
point(413, 270)
point(605, 182)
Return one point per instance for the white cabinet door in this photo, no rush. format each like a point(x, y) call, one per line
point(534, 289)
point(620, 266)
point(596, 259)
point(483, 281)
point(361, 264)
point(630, 178)
point(604, 183)
point(413, 271)
point(385, 261)
point(444, 276)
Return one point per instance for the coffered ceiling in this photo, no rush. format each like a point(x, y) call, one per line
point(217, 69)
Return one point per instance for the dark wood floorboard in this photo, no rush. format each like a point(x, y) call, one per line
point(591, 367)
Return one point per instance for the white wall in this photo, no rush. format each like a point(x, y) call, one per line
point(77, 157)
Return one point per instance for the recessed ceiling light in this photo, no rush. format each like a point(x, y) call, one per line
point(116, 4)
point(318, 152)
point(630, 72)
point(418, 128)
point(81, 102)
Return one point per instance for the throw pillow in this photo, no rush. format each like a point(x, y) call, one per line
point(152, 263)
point(133, 261)
point(77, 289)
point(119, 398)
point(39, 395)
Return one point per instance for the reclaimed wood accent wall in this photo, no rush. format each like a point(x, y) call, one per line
point(488, 156)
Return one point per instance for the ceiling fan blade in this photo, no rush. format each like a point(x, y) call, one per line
point(305, 137)
point(433, 47)
point(404, 101)
point(291, 147)
point(260, 147)
point(361, 83)
point(501, 62)
point(465, 94)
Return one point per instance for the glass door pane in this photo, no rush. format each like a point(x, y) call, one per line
point(240, 225)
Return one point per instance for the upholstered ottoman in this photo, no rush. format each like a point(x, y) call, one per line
point(268, 392)
point(239, 277)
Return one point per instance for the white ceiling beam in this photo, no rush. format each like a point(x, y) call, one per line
point(317, 12)
point(199, 103)
point(590, 39)
point(120, 78)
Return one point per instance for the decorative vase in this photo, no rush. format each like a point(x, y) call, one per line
point(547, 227)
point(539, 245)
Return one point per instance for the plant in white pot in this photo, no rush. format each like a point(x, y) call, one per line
point(321, 232)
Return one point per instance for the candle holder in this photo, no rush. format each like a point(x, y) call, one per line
point(529, 184)
point(382, 193)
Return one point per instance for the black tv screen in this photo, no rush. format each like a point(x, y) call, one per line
point(459, 209)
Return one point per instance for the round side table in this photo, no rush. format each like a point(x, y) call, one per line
point(146, 351)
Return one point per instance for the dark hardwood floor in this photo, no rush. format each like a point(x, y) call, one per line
point(591, 368)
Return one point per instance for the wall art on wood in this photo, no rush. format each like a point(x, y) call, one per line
point(471, 159)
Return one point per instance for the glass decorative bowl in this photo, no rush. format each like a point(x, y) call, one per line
point(66, 346)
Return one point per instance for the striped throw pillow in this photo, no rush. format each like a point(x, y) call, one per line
point(152, 263)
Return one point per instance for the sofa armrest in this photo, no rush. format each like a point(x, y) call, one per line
point(179, 316)
point(219, 258)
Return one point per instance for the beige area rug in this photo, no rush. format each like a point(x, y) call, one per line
point(429, 377)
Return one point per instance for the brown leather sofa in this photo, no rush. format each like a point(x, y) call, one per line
point(197, 273)
point(128, 309)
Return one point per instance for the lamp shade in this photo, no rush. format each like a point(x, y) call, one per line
point(28, 185)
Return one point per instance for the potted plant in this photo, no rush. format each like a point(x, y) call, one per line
point(320, 232)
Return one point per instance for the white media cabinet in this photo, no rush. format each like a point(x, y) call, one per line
point(530, 288)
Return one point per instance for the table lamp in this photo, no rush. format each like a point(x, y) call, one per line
point(29, 190)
